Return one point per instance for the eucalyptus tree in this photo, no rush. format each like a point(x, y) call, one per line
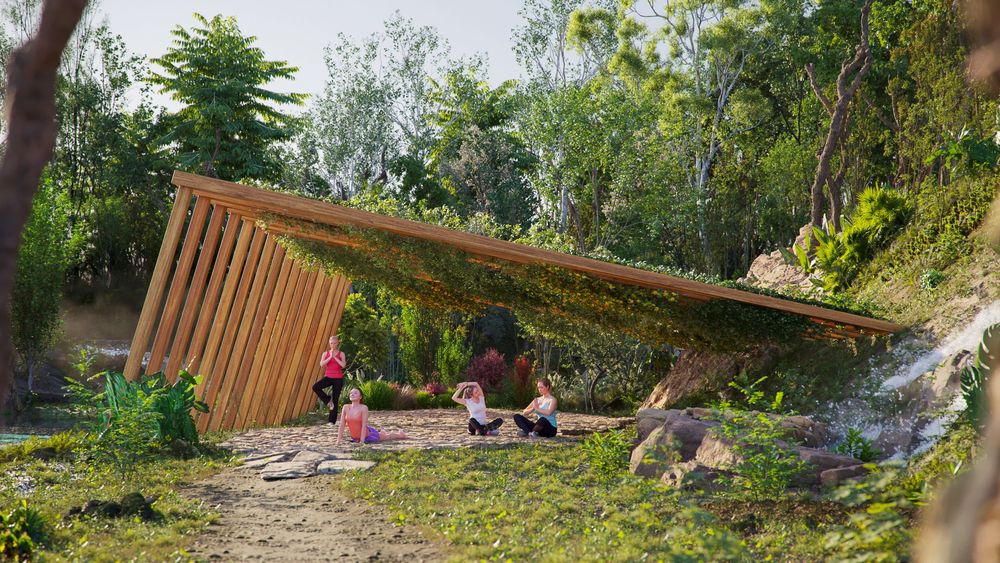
point(376, 105)
point(230, 122)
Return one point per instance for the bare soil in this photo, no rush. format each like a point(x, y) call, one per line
point(298, 520)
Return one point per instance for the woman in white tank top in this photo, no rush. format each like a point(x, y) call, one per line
point(470, 394)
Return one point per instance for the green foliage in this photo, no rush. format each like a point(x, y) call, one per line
point(768, 466)
point(453, 355)
point(930, 279)
point(608, 453)
point(42, 262)
point(378, 394)
point(424, 400)
point(21, 531)
point(228, 125)
point(364, 341)
point(857, 446)
point(418, 340)
point(974, 379)
point(881, 213)
point(878, 532)
point(939, 465)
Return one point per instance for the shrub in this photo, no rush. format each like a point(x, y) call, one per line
point(405, 398)
point(880, 532)
point(930, 279)
point(522, 389)
point(379, 395)
point(452, 355)
point(488, 369)
point(608, 453)
point(20, 531)
point(768, 467)
point(435, 388)
point(424, 400)
point(365, 342)
point(857, 446)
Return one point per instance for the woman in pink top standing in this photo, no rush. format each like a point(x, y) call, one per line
point(334, 362)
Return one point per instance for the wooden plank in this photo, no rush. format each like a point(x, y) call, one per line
point(196, 293)
point(272, 335)
point(178, 288)
point(304, 352)
point(272, 370)
point(158, 283)
point(336, 297)
point(253, 319)
point(209, 386)
point(293, 328)
point(331, 214)
point(260, 326)
point(210, 304)
point(227, 346)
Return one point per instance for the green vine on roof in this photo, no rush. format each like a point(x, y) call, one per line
point(555, 302)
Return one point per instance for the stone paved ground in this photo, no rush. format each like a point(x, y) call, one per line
point(431, 428)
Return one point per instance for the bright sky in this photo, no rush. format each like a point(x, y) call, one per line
point(297, 31)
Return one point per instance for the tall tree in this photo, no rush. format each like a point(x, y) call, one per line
point(230, 121)
point(852, 73)
point(31, 130)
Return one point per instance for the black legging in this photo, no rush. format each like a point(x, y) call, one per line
point(543, 427)
point(338, 385)
point(482, 429)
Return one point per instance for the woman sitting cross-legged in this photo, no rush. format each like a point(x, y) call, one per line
point(474, 399)
point(355, 415)
point(545, 407)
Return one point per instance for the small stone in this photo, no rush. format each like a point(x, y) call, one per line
point(288, 470)
point(339, 465)
point(261, 461)
point(836, 476)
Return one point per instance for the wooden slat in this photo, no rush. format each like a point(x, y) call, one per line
point(272, 369)
point(304, 353)
point(327, 327)
point(158, 283)
point(265, 383)
point(178, 288)
point(227, 346)
point(249, 395)
point(209, 387)
point(293, 329)
point(210, 304)
point(264, 201)
point(196, 293)
point(318, 344)
point(253, 319)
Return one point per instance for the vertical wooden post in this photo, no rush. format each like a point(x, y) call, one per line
point(196, 294)
point(264, 386)
point(210, 304)
point(161, 274)
point(178, 286)
point(260, 329)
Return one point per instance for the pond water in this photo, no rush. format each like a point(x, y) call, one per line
point(6, 439)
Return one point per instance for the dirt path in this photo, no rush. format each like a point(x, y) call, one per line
point(298, 520)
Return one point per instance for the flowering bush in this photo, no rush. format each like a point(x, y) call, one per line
point(488, 370)
point(435, 388)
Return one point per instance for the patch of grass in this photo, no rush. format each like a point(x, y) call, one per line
point(57, 485)
point(544, 503)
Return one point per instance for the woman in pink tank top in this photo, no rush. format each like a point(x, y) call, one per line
point(333, 363)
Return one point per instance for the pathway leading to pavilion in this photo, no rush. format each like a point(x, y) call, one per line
point(309, 519)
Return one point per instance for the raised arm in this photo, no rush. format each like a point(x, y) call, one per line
point(548, 411)
point(340, 426)
point(458, 389)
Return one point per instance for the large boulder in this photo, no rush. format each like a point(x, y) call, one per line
point(819, 461)
point(770, 270)
point(691, 475)
point(676, 439)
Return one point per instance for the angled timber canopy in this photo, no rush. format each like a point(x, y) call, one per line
point(249, 283)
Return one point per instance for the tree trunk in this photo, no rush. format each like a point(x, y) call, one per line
point(847, 87)
point(31, 126)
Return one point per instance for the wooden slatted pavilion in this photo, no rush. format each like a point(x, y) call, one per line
point(226, 302)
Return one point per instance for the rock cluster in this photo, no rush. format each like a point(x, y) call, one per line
point(680, 448)
point(304, 463)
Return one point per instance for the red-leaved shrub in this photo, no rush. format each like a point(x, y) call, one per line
point(488, 370)
point(435, 388)
point(523, 370)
